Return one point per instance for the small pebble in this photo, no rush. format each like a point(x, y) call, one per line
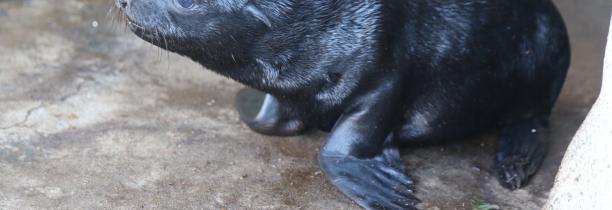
point(94, 24)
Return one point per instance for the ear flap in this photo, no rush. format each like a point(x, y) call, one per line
point(256, 12)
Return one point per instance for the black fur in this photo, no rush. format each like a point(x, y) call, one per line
point(380, 73)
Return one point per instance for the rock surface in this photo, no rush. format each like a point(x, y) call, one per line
point(93, 118)
point(585, 176)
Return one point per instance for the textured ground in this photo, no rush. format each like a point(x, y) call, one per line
point(93, 118)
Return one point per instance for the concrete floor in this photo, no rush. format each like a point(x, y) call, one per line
point(93, 118)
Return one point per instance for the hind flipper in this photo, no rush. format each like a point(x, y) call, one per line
point(520, 152)
point(274, 118)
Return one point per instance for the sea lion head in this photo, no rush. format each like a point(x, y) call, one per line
point(196, 27)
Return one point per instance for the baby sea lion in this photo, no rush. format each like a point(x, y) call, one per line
point(378, 74)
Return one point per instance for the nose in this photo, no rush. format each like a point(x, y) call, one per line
point(122, 3)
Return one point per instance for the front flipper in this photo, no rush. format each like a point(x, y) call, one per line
point(375, 183)
point(361, 159)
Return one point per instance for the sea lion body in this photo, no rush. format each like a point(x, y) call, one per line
point(378, 74)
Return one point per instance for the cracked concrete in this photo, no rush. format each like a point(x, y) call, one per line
point(93, 118)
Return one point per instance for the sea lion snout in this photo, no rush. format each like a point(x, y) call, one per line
point(148, 19)
point(196, 28)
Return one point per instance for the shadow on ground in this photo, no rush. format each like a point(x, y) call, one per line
point(93, 118)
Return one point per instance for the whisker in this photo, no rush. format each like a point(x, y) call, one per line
point(167, 52)
point(110, 15)
point(111, 10)
point(157, 43)
point(124, 20)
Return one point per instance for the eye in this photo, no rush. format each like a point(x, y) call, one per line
point(185, 3)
